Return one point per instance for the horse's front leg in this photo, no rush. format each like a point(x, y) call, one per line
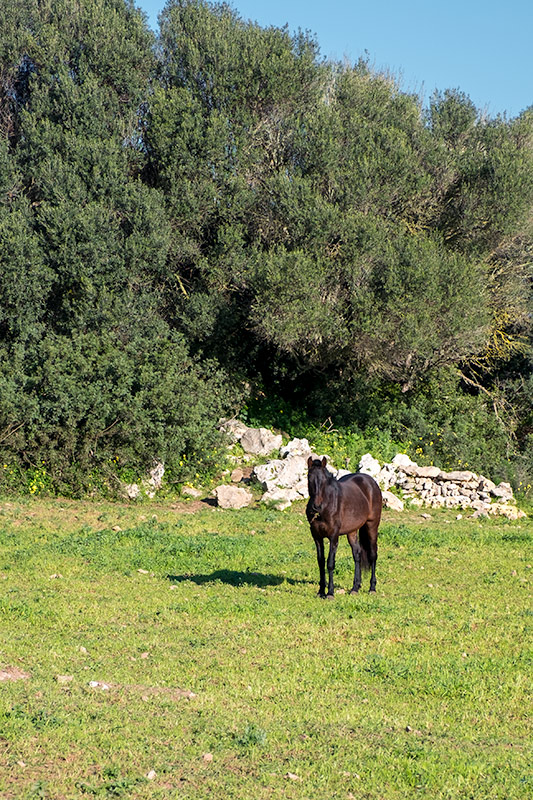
point(321, 566)
point(333, 543)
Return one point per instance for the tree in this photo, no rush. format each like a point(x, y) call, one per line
point(485, 179)
point(318, 221)
point(228, 208)
point(218, 135)
point(91, 373)
point(401, 308)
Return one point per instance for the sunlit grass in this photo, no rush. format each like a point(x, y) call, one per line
point(225, 674)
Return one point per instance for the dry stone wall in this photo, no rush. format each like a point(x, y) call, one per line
point(436, 488)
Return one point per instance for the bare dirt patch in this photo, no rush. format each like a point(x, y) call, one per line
point(145, 692)
point(13, 674)
point(62, 514)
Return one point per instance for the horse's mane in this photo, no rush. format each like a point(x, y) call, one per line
point(317, 462)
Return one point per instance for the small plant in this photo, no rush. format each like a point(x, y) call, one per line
point(38, 791)
point(251, 736)
point(113, 785)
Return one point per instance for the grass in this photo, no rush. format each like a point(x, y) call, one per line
point(219, 673)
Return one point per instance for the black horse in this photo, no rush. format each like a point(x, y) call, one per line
point(351, 506)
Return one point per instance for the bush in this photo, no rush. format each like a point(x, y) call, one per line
point(445, 424)
point(88, 410)
point(441, 423)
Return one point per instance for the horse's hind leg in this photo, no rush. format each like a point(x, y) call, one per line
point(373, 574)
point(356, 551)
point(372, 555)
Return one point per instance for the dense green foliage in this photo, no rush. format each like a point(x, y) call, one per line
point(92, 377)
point(218, 212)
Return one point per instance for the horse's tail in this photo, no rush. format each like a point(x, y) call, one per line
point(368, 541)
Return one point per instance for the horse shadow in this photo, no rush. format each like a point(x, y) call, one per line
point(236, 578)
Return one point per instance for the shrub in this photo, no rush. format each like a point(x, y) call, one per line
point(84, 409)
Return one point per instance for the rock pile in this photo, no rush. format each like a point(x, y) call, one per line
point(284, 478)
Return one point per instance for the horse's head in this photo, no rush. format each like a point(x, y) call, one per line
point(317, 480)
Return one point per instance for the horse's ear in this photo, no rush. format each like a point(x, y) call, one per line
point(309, 462)
point(324, 462)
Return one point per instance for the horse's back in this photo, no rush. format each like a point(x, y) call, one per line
point(359, 483)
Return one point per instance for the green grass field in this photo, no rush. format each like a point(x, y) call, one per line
point(219, 673)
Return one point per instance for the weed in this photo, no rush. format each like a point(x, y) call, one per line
point(251, 736)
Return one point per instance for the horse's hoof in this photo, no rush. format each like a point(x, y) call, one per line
point(321, 595)
point(371, 591)
point(330, 597)
point(354, 591)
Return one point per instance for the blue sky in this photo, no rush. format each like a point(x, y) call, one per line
point(483, 48)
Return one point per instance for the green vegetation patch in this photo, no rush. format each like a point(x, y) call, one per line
point(189, 656)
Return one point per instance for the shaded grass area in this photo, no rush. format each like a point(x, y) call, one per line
point(218, 671)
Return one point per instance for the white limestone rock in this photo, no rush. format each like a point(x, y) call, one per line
point(391, 501)
point(233, 428)
point(281, 498)
point(503, 491)
point(232, 496)
point(296, 447)
point(267, 473)
point(401, 460)
point(260, 441)
point(504, 510)
point(369, 465)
